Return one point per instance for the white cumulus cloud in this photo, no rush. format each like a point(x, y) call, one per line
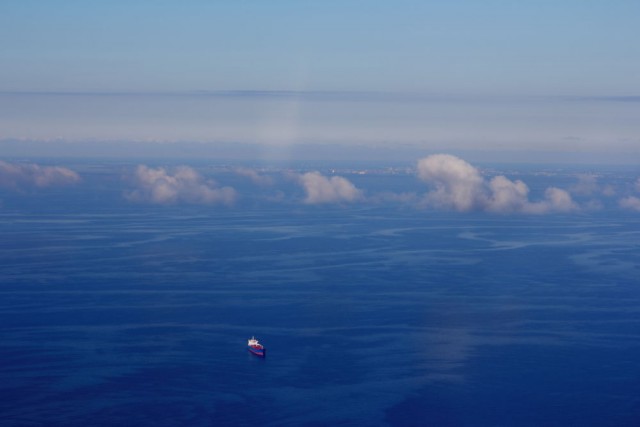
point(557, 199)
point(507, 195)
point(184, 185)
point(321, 189)
point(21, 176)
point(631, 202)
point(457, 185)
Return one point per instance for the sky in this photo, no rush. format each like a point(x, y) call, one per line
point(462, 76)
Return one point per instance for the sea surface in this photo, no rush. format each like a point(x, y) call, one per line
point(114, 313)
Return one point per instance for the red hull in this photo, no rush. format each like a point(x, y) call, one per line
point(260, 352)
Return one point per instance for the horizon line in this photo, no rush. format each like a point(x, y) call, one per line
point(370, 95)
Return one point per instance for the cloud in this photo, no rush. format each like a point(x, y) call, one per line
point(255, 177)
point(321, 189)
point(457, 185)
point(185, 185)
point(556, 200)
point(631, 202)
point(22, 176)
point(507, 195)
point(588, 185)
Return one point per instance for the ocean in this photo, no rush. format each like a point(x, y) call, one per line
point(121, 313)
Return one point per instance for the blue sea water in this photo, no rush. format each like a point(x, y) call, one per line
point(114, 313)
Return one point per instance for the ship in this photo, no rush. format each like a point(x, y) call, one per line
point(256, 348)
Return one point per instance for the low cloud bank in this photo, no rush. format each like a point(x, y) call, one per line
point(457, 185)
point(321, 189)
point(23, 176)
point(184, 185)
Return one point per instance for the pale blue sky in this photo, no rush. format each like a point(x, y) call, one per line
point(531, 53)
point(573, 47)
